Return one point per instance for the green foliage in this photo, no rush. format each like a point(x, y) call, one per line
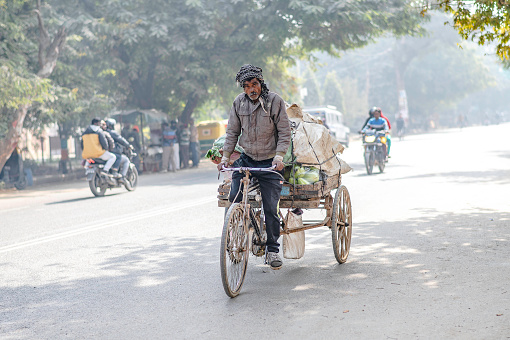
point(177, 56)
point(313, 89)
point(17, 91)
point(438, 76)
point(333, 93)
point(483, 21)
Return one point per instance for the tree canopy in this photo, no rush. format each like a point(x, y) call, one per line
point(437, 76)
point(482, 21)
point(172, 55)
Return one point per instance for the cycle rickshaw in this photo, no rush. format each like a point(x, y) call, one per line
point(247, 215)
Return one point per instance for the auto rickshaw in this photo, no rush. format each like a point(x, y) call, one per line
point(209, 131)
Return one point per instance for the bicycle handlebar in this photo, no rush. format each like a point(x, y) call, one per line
point(246, 168)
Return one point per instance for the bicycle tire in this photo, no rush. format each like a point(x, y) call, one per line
point(234, 250)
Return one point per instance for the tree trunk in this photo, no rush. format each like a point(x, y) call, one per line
point(191, 104)
point(9, 142)
point(48, 55)
point(400, 62)
point(402, 95)
point(144, 88)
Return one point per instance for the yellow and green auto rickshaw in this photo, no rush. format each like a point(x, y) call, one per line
point(209, 131)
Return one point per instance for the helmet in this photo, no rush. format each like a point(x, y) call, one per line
point(110, 123)
point(372, 110)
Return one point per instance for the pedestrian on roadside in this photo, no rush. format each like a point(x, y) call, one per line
point(169, 141)
point(184, 141)
point(194, 143)
point(134, 139)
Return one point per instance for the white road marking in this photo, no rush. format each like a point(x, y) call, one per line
point(14, 209)
point(95, 226)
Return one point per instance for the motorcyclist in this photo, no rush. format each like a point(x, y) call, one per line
point(370, 116)
point(95, 145)
point(120, 144)
point(377, 123)
point(111, 147)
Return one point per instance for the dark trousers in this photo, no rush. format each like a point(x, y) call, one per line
point(117, 161)
point(270, 189)
point(184, 155)
point(194, 153)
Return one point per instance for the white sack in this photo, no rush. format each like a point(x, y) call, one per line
point(313, 144)
point(294, 243)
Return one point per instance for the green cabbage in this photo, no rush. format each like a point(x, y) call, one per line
point(302, 181)
point(312, 175)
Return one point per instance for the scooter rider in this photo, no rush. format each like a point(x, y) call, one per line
point(120, 144)
point(95, 145)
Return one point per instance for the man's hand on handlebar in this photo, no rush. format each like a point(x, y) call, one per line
point(278, 163)
point(223, 163)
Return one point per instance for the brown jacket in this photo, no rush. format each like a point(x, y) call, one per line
point(263, 133)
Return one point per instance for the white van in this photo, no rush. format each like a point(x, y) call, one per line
point(333, 120)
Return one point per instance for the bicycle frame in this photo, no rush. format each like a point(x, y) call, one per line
point(245, 182)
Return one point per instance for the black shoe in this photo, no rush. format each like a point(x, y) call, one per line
point(274, 260)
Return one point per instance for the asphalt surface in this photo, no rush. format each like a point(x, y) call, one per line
point(429, 256)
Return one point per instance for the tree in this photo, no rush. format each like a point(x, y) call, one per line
point(175, 55)
point(28, 84)
point(333, 94)
point(430, 69)
point(313, 89)
point(483, 21)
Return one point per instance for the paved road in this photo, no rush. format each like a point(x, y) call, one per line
point(429, 258)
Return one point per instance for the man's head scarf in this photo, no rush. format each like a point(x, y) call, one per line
point(248, 72)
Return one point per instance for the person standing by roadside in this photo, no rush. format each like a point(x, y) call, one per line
point(134, 139)
point(194, 143)
point(184, 141)
point(169, 140)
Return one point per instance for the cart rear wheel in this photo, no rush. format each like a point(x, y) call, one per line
point(234, 250)
point(341, 224)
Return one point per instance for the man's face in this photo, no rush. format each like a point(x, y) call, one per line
point(377, 114)
point(103, 125)
point(252, 88)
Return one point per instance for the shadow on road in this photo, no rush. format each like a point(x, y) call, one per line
point(86, 198)
point(486, 176)
point(429, 269)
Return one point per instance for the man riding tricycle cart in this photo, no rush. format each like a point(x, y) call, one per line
point(280, 146)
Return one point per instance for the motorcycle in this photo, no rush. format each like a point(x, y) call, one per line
point(374, 144)
point(98, 182)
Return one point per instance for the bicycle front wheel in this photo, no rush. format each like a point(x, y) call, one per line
point(234, 249)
